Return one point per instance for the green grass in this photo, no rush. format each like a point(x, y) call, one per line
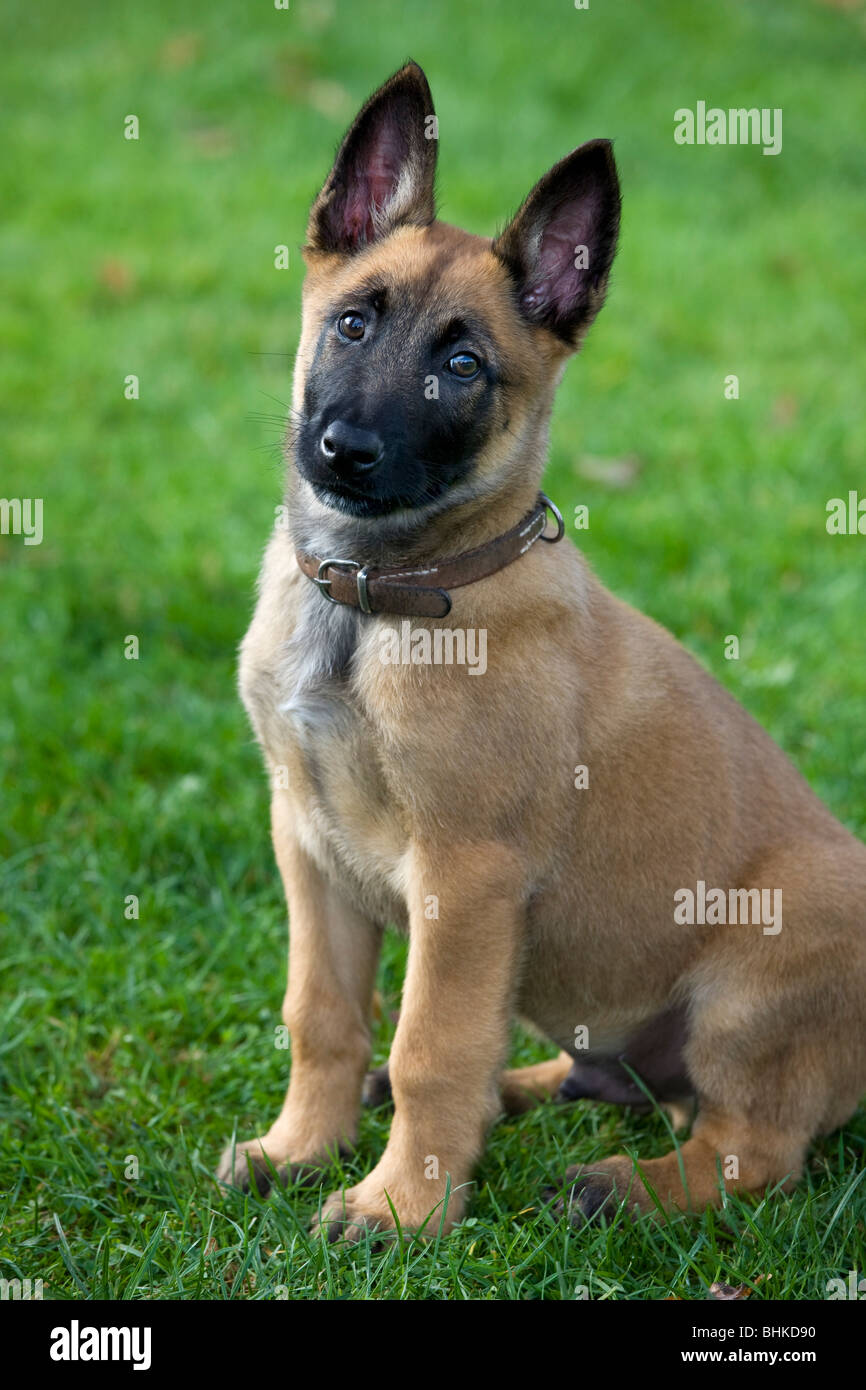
point(154, 1037)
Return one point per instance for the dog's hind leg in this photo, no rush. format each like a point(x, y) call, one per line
point(725, 1153)
point(525, 1087)
point(776, 1051)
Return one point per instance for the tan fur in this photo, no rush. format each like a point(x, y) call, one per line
point(524, 1087)
point(555, 904)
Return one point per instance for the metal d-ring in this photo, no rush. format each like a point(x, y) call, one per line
point(557, 514)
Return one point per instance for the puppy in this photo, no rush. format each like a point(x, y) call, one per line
point(683, 917)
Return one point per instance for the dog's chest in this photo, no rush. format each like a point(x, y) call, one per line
point(326, 754)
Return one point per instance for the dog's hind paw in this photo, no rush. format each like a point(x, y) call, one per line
point(593, 1192)
point(377, 1088)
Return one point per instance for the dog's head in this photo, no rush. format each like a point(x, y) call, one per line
point(429, 357)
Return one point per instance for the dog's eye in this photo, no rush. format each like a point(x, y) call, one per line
point(465, 365)
point(351, 326)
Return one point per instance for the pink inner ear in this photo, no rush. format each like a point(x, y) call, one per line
point(556, 283)
point(374, 179)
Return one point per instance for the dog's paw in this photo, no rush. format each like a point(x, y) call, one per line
point(594, 1191)
point(246, 1167)
point(256, 1166)
point(348, 1215)
point(377, 1088)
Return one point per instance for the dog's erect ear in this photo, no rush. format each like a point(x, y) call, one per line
point(560, 245)
point(383, 174)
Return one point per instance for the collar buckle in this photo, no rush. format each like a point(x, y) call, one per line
point(324, 583)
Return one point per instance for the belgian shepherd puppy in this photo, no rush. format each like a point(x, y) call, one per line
point(688, 922)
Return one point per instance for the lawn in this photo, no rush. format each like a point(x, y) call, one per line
point(134, 1045)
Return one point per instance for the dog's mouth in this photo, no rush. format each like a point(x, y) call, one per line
point(374, 497)
point(351, 501)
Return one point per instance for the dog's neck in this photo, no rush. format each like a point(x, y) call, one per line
point(405, 539)
point(320, 651)
point(322, 647)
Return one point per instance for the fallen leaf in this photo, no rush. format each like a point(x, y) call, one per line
point(213, 141)
point(180, 51)
point(117, 277)
point(329, 99)
point(785, 410)
point(613, 472)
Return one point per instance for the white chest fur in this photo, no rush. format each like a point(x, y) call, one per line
point(323, 752)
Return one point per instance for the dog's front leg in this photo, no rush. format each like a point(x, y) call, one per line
point(465, 920)
point(333, 951)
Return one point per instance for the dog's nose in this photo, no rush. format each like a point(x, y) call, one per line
point(350, 451)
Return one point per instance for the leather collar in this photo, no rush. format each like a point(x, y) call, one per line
point(423, 592)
